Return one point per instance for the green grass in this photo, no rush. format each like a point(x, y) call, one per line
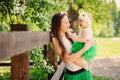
point(108, 46)
point(101, 78)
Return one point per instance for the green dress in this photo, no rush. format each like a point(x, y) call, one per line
point(86, 75)
point(80, 75)
point(89, 54)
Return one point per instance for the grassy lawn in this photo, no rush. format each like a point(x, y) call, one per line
point(108, 46)
point(101, 78)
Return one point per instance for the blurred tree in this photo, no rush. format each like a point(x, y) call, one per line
point(118, 30)
point(108, 26)
point(95, 7)
point(101, 11)
point(113, 12)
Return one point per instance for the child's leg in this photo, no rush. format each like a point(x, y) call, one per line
point(79, 62)
point(82, 62)
point(90, 64)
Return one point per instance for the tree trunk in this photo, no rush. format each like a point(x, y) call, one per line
point(73, 17)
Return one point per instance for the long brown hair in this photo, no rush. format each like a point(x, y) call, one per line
point(56, 23)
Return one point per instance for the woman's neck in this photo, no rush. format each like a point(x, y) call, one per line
point(61, 34)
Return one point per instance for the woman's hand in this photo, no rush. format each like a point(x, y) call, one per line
point(88, 44)
point(73, 37)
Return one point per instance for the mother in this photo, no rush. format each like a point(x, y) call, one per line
point(62, 44)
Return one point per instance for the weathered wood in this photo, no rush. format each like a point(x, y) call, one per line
point(19, 27)
point(16, 45)
point(8, 63)
point(20, 67)
point(12, 43)
point(20, 62)
point(5, 63)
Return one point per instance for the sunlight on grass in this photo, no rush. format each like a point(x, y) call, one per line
point(101, 78)
point(108, 46)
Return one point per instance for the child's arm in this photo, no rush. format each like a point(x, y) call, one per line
point(85, 35)
point(81, 39)
point(74, 36)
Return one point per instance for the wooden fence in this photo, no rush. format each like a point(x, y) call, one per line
point(16, 45)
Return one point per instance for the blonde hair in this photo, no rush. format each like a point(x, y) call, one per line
point(86, 17)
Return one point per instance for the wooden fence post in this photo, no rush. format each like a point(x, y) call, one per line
point(20, 62)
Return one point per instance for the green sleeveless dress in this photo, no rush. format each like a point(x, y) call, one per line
point(85, 75)
point(89, 54)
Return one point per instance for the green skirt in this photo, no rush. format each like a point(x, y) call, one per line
point(89, 54)
point(85, 75)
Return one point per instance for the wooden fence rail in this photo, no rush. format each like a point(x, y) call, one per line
point(13, 43)
point(16, 44)
point(8, 63)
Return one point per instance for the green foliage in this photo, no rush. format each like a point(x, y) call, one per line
point(98, 9)
point(105, 16)
point(107, 21)
point(3, 27)
point(42, 11)
point(38, 12)
point(39, 62)
point(5, 18)
point(38, 74)
point(116, 20)
point(4, 73)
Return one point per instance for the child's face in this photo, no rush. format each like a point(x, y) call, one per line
point(82, 23)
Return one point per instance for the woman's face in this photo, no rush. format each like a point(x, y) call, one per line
point(64, 24)
point(82, 23)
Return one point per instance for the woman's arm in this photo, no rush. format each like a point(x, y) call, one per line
point(79, 62)
point(70, 58)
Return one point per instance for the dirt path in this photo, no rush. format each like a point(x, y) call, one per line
point(107, 66)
